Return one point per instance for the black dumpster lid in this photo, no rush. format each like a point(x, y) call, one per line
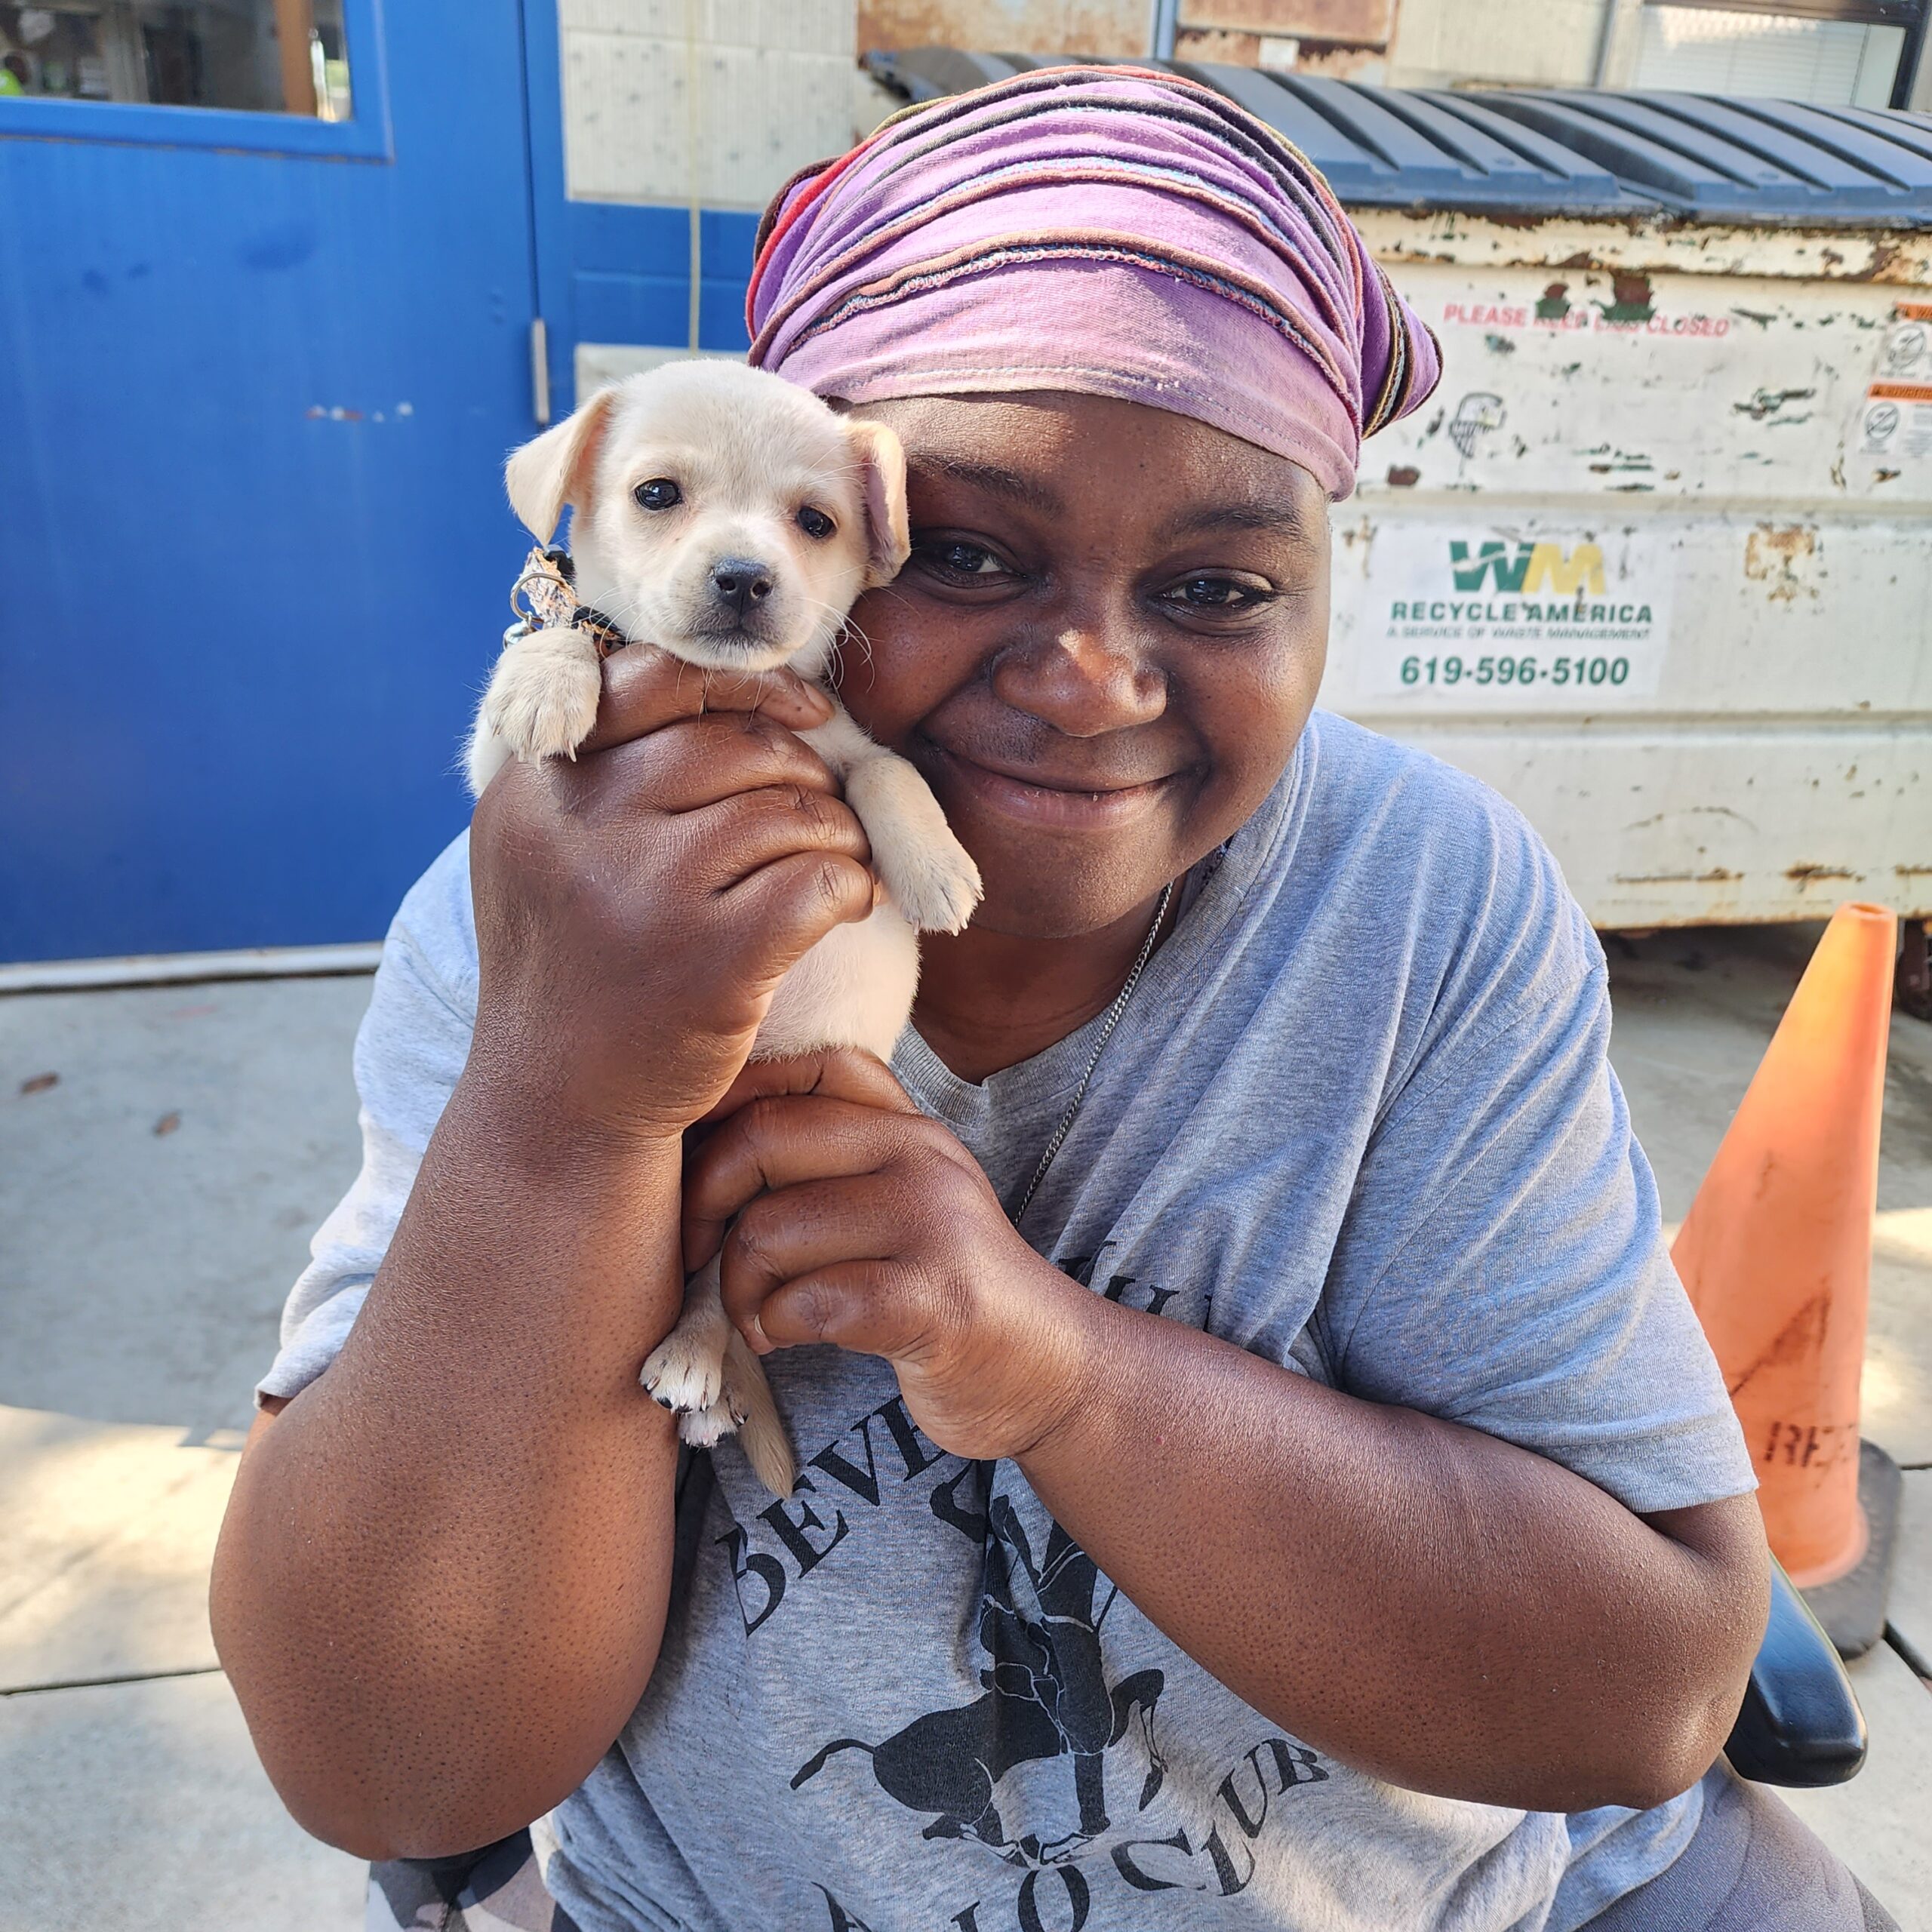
point(1760, 163)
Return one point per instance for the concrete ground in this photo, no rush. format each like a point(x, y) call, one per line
point(156, 1201)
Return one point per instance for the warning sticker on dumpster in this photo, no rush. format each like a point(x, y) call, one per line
point(1484, 615)
point(1893, 429)
point(1897, 423)
point(1906, 354)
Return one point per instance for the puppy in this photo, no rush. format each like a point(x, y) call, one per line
point(730, 519)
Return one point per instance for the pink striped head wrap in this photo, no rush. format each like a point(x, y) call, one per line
point(1110, 230)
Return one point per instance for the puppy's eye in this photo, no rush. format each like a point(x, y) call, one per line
point(659, 493)
point(815, 524)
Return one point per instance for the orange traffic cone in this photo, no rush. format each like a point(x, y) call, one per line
point(1776, 1250)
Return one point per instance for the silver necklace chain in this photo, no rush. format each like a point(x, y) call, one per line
point(1107, 1026)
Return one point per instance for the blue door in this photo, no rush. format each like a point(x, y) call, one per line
point(267, 282)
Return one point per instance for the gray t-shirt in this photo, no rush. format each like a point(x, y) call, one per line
point(1359, 1120)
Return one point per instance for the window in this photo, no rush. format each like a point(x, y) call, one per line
point(273, 57)
point(1842, 55)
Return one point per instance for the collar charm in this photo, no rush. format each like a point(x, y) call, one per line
point(545, 599)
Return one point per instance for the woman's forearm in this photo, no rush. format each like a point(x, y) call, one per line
point(440, 1586)
point(1432, 1604)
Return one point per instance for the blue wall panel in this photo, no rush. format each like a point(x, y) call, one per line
point(630, 274)
point(254, 408)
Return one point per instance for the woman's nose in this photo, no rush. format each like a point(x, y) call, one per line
point(1081, 681)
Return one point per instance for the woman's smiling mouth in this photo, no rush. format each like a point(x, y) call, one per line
point(1074, 803)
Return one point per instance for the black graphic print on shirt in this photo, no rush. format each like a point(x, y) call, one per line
point(1046, 1697)
point(1056, 1769)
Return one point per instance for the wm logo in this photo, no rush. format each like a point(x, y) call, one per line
point(1533, 568)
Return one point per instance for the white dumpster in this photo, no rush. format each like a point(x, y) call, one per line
point(1657, 561)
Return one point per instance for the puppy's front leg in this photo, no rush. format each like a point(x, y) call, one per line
point(686, 1371)
point(541, 703)
point(705, 1369)
point(931, 876)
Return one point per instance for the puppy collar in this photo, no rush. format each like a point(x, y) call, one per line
point(545, 599)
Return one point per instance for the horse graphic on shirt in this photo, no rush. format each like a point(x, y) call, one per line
point(1047, 1697)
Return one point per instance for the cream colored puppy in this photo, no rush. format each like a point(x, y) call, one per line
point(730, 519)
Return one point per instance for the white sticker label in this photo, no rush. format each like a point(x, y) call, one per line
point(1896, 423)
point(1893, 429)
point(1906, 355)
point(1493, 615)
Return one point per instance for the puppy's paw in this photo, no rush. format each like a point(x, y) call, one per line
point(704, 1428)
point(931, 876)
point(543, 700)
point(934, 882)
point(685, 1372)
point(484, 756)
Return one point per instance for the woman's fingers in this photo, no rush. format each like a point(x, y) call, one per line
point(685, 766)
point(727, 842)
point(833, 1073)
point(791, 904)
point(777, 1142)
point(723, 1170)
point(851, 1304)
point(645, 689)
point(786, 1242)
point(773, 1144)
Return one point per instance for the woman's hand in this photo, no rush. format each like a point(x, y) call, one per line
point(636, 907)
point(862, 1222)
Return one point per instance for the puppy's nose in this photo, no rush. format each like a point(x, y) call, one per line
point(741, 582)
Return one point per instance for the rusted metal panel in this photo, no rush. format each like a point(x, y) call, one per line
point(1713, 825)
point(1360, 22)
point(1656, 562)
point(1626, 384)
point(1539, 43)
point(1115, 28)
point(1650, 244)
point(1118, 28)
point(1223, 46)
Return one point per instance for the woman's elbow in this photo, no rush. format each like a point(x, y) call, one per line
point(1672, 1753)
point(1692, 1670)
point(362, 1831)
point(380, 1790)
point(346, 1772)
point(369, 1791)
point(435, 1826)
point(1653, 1745)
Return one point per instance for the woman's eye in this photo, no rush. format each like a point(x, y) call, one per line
point(659, 493)
point(961, 559)
point(1217, 593)
point(815, 524)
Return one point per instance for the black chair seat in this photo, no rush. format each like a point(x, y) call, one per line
point(1800, 1723)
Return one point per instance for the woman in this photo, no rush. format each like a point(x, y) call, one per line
point(1260, 1469)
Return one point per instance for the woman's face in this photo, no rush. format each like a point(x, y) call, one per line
point(1105, 645)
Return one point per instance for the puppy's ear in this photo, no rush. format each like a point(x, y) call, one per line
point(554, 468)
point(882, 482)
